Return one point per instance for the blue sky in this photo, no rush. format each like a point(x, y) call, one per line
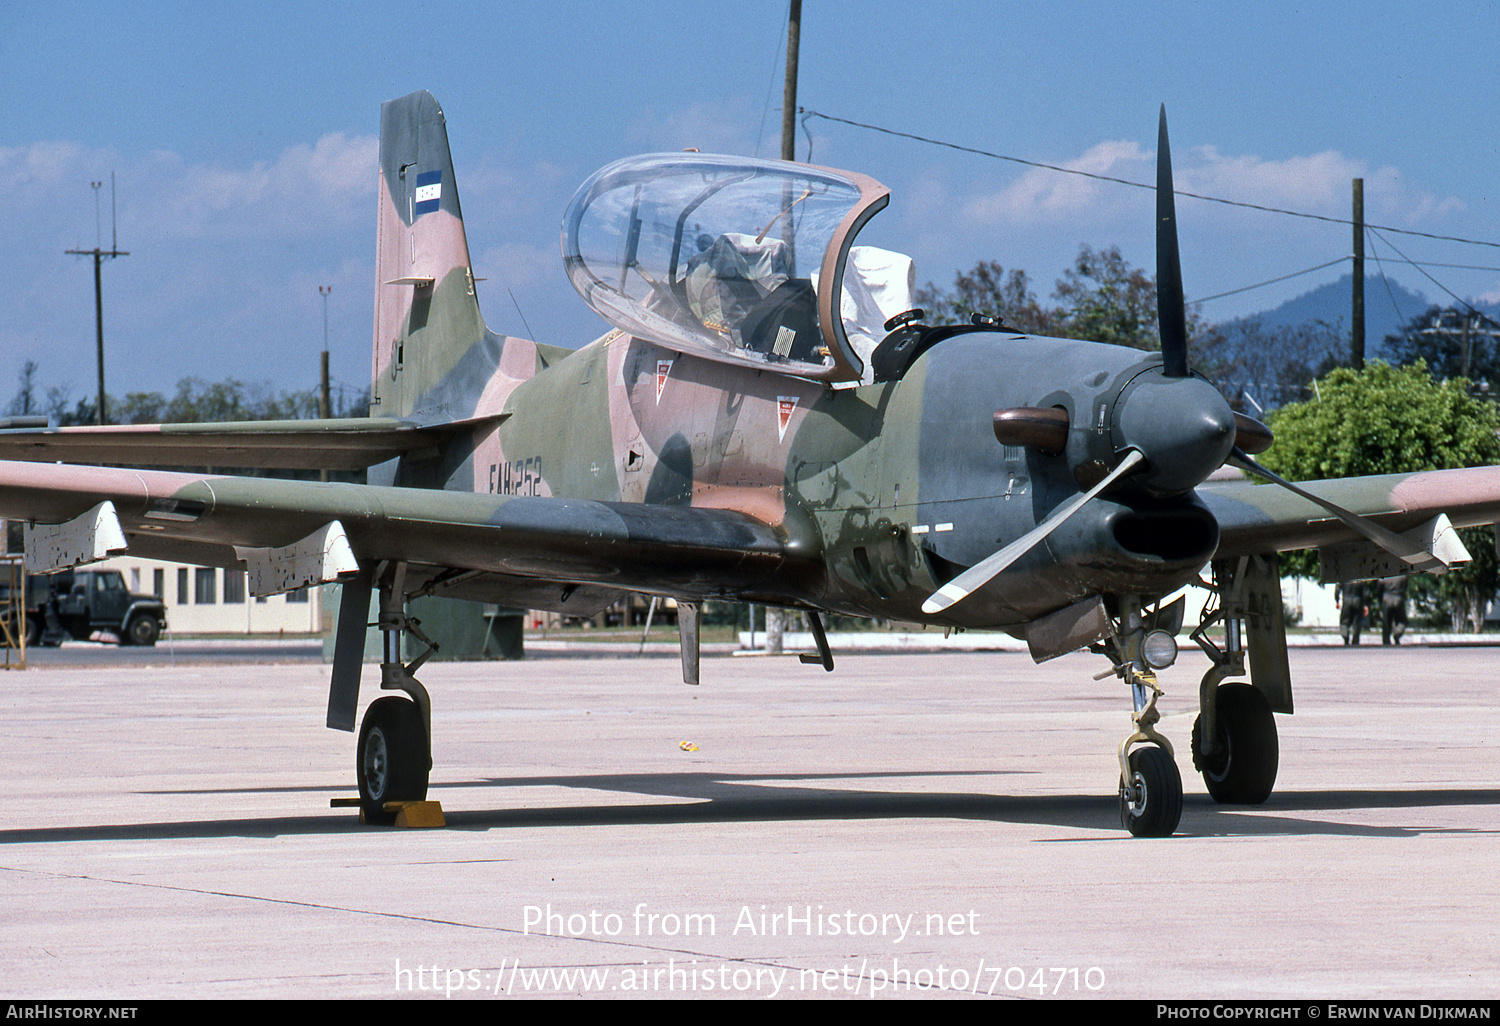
point(242, 138)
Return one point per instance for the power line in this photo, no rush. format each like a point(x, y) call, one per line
point(1272, 281)
point(1462, 302)
point(1139, 185)
point(1385, 280)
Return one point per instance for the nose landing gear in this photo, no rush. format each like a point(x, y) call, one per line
point(1150, 785)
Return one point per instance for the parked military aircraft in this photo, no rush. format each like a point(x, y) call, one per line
point(768, 421)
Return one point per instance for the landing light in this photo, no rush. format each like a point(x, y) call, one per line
point(1159, 649)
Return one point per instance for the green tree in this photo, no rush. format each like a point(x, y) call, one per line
point(1107, 300)
point(1102, 299)
point(25, 403)
point(1391, 420)
point(988, 290)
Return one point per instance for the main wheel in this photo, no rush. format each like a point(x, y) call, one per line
point(392, 761)
point(1242, 768)
point(141, 630)
point(1151, 800)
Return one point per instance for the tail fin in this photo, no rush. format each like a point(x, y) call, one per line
point(426, 314)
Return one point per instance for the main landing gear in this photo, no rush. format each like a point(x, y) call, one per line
point(394, 756)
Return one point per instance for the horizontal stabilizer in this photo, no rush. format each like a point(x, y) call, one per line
point(352, 443)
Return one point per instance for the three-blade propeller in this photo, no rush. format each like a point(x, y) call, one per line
point(1180, 437)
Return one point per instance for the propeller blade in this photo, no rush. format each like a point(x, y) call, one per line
point(1171, 309)
point(1251, 435)
point(1413, 554)
point(981, 573)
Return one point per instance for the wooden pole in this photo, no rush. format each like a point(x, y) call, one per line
point(775, 615)
point(1357, 327)
point(789, 90)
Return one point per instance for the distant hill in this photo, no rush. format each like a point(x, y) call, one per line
point(1330, 303)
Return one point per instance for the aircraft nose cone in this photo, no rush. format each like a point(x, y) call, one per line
point(1184, 428)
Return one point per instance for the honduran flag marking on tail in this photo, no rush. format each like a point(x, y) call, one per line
point(429, 192)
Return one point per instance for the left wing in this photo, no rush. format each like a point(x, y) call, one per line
point(515, 543)
point(1258, 519)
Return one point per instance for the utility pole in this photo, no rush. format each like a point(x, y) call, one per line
point(323, 395)
point(775, 615)
point(789, 90)
point(1357, 317)
point(99, 253)
point(323, 399)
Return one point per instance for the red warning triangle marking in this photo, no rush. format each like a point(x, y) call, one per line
point(785, 404)
point(663, 370)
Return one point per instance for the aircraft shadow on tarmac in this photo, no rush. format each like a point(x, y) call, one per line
point(749, 798)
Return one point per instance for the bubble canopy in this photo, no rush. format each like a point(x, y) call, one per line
point(736, 259)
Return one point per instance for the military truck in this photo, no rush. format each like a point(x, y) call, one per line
point(79, 603)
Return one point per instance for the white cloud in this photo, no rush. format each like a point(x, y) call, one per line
point(707, 126)
point(306, 190)
point(519, 267)
point(1316, 183)
point(1319, 183)
point(1041, 194)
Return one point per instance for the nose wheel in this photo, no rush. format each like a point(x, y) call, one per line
point(1151, 796)
point(1150, 785)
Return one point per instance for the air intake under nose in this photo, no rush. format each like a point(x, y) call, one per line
point(1187, 534)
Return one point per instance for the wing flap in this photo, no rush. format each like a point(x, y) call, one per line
point(344, 444)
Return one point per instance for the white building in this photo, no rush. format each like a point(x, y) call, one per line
point(211, 600)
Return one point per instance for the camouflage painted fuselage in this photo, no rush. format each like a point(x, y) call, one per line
point(884, 491)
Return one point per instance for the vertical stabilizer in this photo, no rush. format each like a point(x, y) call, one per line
point(426, 314)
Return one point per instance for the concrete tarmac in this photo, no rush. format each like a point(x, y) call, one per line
point(907, 826)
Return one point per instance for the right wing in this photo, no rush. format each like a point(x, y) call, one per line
point(496, 547)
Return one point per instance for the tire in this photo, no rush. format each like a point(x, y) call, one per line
point(392, 761)
point(33, 631)
point(1243, 769)
point(1151, 801)
point(141, 630)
